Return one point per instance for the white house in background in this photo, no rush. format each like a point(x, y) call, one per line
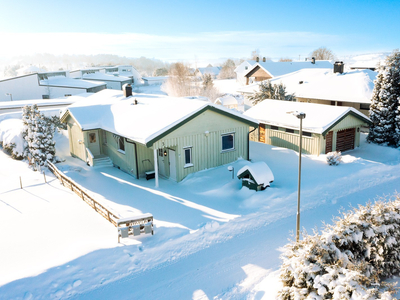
point(268, 69)
point(242, 70)
point(325, 128)
point(46, 85)
point(125, 71)
point(325, 86)
point(210, 70)
point(157, 80)
point(113, 81)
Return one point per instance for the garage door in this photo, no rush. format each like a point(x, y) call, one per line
point(329, 142)
point(345, 139)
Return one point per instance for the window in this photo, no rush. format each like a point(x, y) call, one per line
point(46, 96)
point(228, 142)
point(67, 95)
point(274, 127)
point(188, 157)
point(92, 137)
point(364, 106)
point(121, 144)
point(104, 134)
point(307, 134)
point(289, 130)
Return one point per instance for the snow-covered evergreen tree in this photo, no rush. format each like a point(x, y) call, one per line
point(384, 109)
point(270, 91)
point(38, 133)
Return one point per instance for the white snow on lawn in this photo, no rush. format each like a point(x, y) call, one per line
point(213, 238)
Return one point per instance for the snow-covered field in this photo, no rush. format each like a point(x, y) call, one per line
point(213, 239)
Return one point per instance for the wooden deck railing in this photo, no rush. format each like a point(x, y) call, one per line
point(68, 182)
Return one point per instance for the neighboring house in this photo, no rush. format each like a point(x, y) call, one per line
point(125, 71)
point(324, 86)
point(325, 128)
point(242, 70)
point(213, 71)
point(171, 137)
point(46, 85)
point(157, 80)
point(269, 69)
point(113, 81)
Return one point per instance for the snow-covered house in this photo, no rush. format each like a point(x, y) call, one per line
point(209, 70)
point(171, 137)
point(46, 85)
point(156, 80)
point(113, 81)
point(352, 88)
point(242, 70)
point(125, 71)
point(229, 101)
point(325, 128)
point(268, 69)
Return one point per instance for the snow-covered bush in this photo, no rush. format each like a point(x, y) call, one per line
point(334, 158)
point(11, 139)
point(349, 259)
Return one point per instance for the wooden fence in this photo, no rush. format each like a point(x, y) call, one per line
point(68, 182)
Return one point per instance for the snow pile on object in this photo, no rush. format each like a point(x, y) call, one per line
point(11, 137)
point(334, 158)
point(347, 260)
point(260, 171)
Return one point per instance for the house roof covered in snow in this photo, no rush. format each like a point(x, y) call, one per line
point(105, 77)
point(226, 100)
point(209, 70)
point(284, 67)
point(319, 118)
point(149, 120)
point(352, 86)
point(62, 81)
point(260, 172)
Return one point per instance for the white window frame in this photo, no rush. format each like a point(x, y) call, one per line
point(190, 164)
point(120, 150)
point(222, 143)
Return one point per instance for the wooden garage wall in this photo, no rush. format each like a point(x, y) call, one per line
point(281, 138)
point(75, 135)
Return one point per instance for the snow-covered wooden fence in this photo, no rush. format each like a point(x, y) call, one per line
point(68, 182)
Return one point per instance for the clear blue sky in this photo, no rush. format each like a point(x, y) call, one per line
point(203, 29)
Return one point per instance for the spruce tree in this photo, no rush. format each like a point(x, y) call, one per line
point(269, 91)
point(384, 109)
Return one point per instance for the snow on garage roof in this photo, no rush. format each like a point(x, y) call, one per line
point(319, 117)
point(151, 117)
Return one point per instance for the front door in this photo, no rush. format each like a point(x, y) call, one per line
point(161, 163)
point(172, 164)
point(94, 143)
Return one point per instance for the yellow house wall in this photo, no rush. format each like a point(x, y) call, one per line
point(206, 148)
point(77, 141)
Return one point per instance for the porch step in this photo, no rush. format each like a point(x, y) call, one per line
point(102, 162)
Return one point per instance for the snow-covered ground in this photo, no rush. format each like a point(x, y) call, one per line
point(213, 239)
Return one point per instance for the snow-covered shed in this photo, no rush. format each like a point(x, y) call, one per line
point(229, 101)
point(256, 176)
point(156, 80)
point(351, 88)
point(269, 69)
point(325, 128)
point(171, 136)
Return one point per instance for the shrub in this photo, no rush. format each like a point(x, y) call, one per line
point(334, 158)
point(348, 260)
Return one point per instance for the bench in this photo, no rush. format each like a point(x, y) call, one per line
point(150, 175)
point(135, 226)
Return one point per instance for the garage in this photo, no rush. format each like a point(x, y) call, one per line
point(345, 139)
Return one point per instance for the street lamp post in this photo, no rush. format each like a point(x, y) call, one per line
point(301, 116)
point(9, 94)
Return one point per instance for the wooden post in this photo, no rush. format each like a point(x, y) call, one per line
point(20, 181)
point(44, 175)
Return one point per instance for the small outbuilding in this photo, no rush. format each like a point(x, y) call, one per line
point(325, 128)
point(256, 176)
